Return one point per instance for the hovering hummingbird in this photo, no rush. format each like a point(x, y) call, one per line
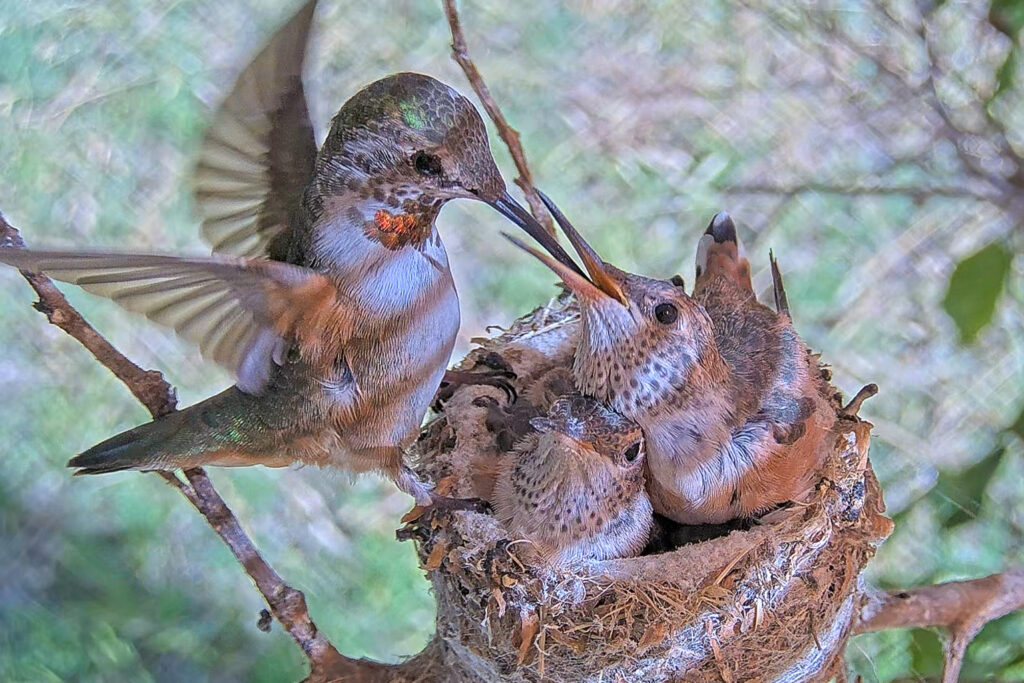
point(575, 486)
point(731, 401)
point(330, 296)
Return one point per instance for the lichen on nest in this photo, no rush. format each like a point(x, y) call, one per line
point(773, 601)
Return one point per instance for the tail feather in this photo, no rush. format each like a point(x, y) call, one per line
point(778, 290)
point(227, 429)
point(143, 448)
point(100, 470)
point(718, 254)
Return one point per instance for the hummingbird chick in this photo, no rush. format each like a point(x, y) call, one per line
point(329, 295)
point(730, 400)
point(575, 486)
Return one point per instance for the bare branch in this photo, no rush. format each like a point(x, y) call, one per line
point(961, 607)
point(853, 407)
point(1002, 193)
point(928, 91)
point(996, 130)
point(287, 604)
point(957, 135)
point(853, 190)
point(508, 134)
point(174, 480)
point(148, 386)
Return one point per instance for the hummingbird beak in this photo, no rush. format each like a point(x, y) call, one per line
point(579, 284)
point(599, 276)
point(510, 209)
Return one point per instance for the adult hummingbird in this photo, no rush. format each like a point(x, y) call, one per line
point(574, 487)
point(730, 400)
point(331, 297)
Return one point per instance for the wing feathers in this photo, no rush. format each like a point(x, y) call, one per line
point(258, 153)
point(243, 314)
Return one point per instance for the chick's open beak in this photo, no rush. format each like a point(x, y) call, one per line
point(579, 284)
point(601, 285)
point(595, 266)
point(510, 209)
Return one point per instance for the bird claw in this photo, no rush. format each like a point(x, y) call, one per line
point(439, 502)
point(499, 376)
point(495, 361)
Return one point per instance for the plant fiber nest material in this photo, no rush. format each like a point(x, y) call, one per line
point(775, 602)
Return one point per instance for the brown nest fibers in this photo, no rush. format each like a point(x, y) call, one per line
point(771, 600)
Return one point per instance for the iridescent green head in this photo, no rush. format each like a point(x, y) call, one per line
point(410, 131)
point(409, 143)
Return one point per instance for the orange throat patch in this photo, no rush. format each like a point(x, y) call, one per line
point(395, 231)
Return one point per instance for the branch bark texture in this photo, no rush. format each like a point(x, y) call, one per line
point(961, 607)
point(508, 134)
point(287, 604)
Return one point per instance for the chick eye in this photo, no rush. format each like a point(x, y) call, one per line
point(666, 313)
point(427, 164)
point(632, 453)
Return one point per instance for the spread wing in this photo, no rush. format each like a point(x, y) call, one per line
point(258, 153)
point(243, 314)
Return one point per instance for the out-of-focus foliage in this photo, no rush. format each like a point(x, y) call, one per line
point(871, 161)
point(975, 289)
point(1007, 16)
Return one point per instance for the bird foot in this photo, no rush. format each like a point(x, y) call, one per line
point(439, 502)
point(427, 499)
point(498, 375)
point(408, 482)
point(444, 503)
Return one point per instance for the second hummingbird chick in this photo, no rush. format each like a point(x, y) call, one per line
point(575, 487)
point(731, 401)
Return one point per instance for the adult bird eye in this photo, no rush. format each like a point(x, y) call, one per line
point(632, 453)
point(666, 313)
point(427, 164)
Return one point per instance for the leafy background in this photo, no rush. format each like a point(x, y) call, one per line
point(876, 147)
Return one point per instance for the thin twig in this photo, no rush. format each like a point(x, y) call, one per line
point(853, 190)
point(287, 604)
point(148, 386)
point(508, 134)
point(853, 407)
point(961, 607)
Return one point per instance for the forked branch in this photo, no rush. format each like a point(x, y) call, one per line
point(287, 604)
point(961, 607)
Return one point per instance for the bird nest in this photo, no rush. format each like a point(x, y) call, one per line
point(774, 601)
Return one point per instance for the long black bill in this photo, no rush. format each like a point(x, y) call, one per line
point(511, 210)
point(593, 262)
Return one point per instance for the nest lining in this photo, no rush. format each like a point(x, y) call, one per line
point(774, 602)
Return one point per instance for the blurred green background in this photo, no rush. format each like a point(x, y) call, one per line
point(873, 146)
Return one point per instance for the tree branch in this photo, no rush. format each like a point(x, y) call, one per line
point(927, 91)
point(287, 604)
point(961, 607)
point(148, 386)
point(508, 134)
point(855, 190)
